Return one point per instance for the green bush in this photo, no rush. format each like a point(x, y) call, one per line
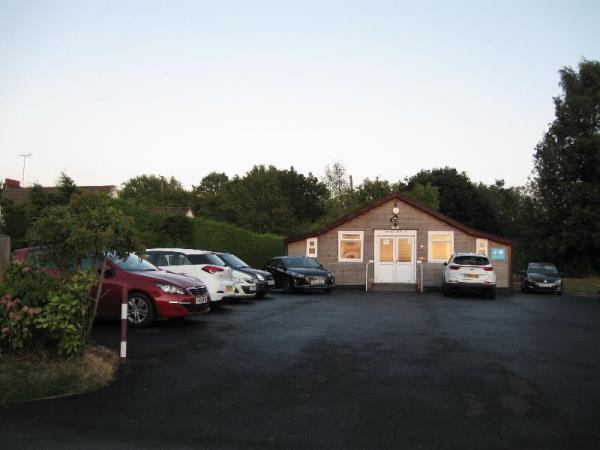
point(67, 314)
point(37, 310)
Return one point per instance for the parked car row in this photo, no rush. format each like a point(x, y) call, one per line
point(473, 272)
point(175, 283)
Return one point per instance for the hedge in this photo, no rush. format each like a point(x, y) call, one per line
point(159, 230)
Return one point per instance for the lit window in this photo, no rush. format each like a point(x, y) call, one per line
point(311, 247)
point(405, 249)
point(350, 246)
point(386, 250)
point(440, 245)
point(481, 246)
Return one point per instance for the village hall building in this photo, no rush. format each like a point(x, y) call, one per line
point(392, 240)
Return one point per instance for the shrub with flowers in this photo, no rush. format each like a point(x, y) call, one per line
point(39, 311)
point(29, 283)
point(17, 322)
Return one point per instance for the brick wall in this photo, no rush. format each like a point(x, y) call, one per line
point(409, 218)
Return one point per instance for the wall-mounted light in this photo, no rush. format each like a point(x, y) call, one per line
point(394, 219)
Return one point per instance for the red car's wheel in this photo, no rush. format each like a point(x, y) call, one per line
point(140, 310)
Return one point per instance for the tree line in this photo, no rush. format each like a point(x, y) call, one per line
point(554, 217)
point(286, 202)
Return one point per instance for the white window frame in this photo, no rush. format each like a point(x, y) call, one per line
point(362, 246)
point(315, 242)
point(481, 241)
point(431, 233)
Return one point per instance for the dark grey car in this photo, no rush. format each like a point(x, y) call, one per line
point(300, 273)
point(541, 277)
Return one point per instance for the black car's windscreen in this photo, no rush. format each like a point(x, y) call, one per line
point(233, 261)
point(303, 263)
point(206, 258)
point(472, 261)
point(543, 269)
point(133, 263)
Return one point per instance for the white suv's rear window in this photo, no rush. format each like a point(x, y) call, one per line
point(471, 261)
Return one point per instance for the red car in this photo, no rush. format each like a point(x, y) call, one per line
point(153, 293)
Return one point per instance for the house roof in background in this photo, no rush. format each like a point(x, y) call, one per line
point(173, 210)
point(403, 198)
point(20, 195)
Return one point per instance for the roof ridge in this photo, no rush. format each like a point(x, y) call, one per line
point(415, 204)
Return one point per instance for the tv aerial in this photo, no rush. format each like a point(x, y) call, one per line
point(25, 157)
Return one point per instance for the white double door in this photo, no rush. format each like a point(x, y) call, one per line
point(395, 256)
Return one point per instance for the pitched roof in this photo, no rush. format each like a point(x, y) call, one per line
point(403, 198)
point(174, 210)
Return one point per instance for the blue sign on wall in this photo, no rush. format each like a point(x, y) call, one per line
point(498, 254)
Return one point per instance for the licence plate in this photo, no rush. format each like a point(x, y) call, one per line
point(317, 282)
point(471, 275)
point(228, 288)
point(544, 284)
point(271, 282)
point(201, 299)
point(252, 289)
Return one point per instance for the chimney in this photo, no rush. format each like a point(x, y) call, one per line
point(12, 183)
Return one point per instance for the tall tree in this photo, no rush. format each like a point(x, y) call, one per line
point(257, 202)
point(336, 179)
point(426, 194)
point(283, 201)
point(342, 198)
point(212, 184)
point(305, 195)
point(66, 188)
point(208, 198)
point(370, 190)
point(459, 197)
point(155, 190)
point(567, 169)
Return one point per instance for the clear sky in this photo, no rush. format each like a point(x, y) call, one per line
point(106, 90)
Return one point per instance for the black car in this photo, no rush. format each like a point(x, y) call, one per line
point(541, 277)
point(300, 272)
point(263, 279)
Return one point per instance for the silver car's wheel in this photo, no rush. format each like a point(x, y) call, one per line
point(140, 310)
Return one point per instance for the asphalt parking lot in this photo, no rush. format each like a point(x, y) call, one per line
point(346, 370)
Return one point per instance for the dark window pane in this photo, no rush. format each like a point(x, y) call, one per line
point(472, 261)
point(232, 260)
point(303, 262)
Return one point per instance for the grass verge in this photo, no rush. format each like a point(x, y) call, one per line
point(585, 287)
point(37, 375)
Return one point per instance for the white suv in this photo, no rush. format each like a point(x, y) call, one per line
point(200, 264)
point(469, 272)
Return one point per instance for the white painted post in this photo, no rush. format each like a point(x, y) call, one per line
point(367, 274)
point(124, 299)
